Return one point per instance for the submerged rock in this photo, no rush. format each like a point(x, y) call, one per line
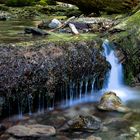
point(35, 31)
point(3, 17)
point(111, 102)
point(35, 130)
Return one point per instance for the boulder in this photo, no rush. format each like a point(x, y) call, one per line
point(115, 6)
point(35, 130)
point(87, 123)
point(111, 102)
point(35, 31)
point(55, 23)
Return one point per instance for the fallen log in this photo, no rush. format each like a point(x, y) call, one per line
point(73, 29)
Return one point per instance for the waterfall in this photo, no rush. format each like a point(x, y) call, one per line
point(115, 76)
point(81, 85)
point(86, 87)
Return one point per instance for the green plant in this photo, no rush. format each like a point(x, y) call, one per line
point(42, 2)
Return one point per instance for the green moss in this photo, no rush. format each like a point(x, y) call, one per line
point(60, 37)
point(129, 41)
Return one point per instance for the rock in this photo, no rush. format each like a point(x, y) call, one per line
point(35, 130)
point(35, 31)
point(133, 130)
point(111, 102)
point(2, 127)
point(12, 138)
point(89, 138)
point(55, 23)
point(93, 138)
point(83, 123)
point(104, 129)
point(117, 123)
point(110, 6)
point(3, 17)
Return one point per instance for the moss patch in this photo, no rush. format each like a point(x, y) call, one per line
point(60, 37)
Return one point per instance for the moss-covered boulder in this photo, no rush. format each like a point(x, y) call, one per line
point(116, 6)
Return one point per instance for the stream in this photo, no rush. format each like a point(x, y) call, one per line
point(12, 31)
point(83, 95)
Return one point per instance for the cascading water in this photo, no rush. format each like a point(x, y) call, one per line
point(83, 91)
point(115, 77)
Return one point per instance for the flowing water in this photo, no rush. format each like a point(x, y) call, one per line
point(12, 31)
point(114, 81)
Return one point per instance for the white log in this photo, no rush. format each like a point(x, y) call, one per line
point(73, 29)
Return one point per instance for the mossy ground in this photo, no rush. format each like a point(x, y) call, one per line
point(61, 37)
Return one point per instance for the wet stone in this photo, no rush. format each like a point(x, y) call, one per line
point(86, 123)
point(35, 130)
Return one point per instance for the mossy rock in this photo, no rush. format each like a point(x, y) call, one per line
point(129, 41)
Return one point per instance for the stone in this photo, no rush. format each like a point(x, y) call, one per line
point(35, 130)
point(2, 128)
point(35, 31)
point(104, 129)
point(3, 17)
point(93, 138)
point(55, 23)
point(111, 102)
point(11, 138)
point(87, 123)
point(110, 6)
point(117, 123)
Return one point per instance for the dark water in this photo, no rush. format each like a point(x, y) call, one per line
point(12, 31)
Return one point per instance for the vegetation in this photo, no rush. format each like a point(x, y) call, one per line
point(20, 2)
point(29, 2)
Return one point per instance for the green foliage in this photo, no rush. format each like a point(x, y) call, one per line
point(51, 2)
point(129, 78)
point(42, 2)
point(20, 2)
point(73, 12)
point(47, 2)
